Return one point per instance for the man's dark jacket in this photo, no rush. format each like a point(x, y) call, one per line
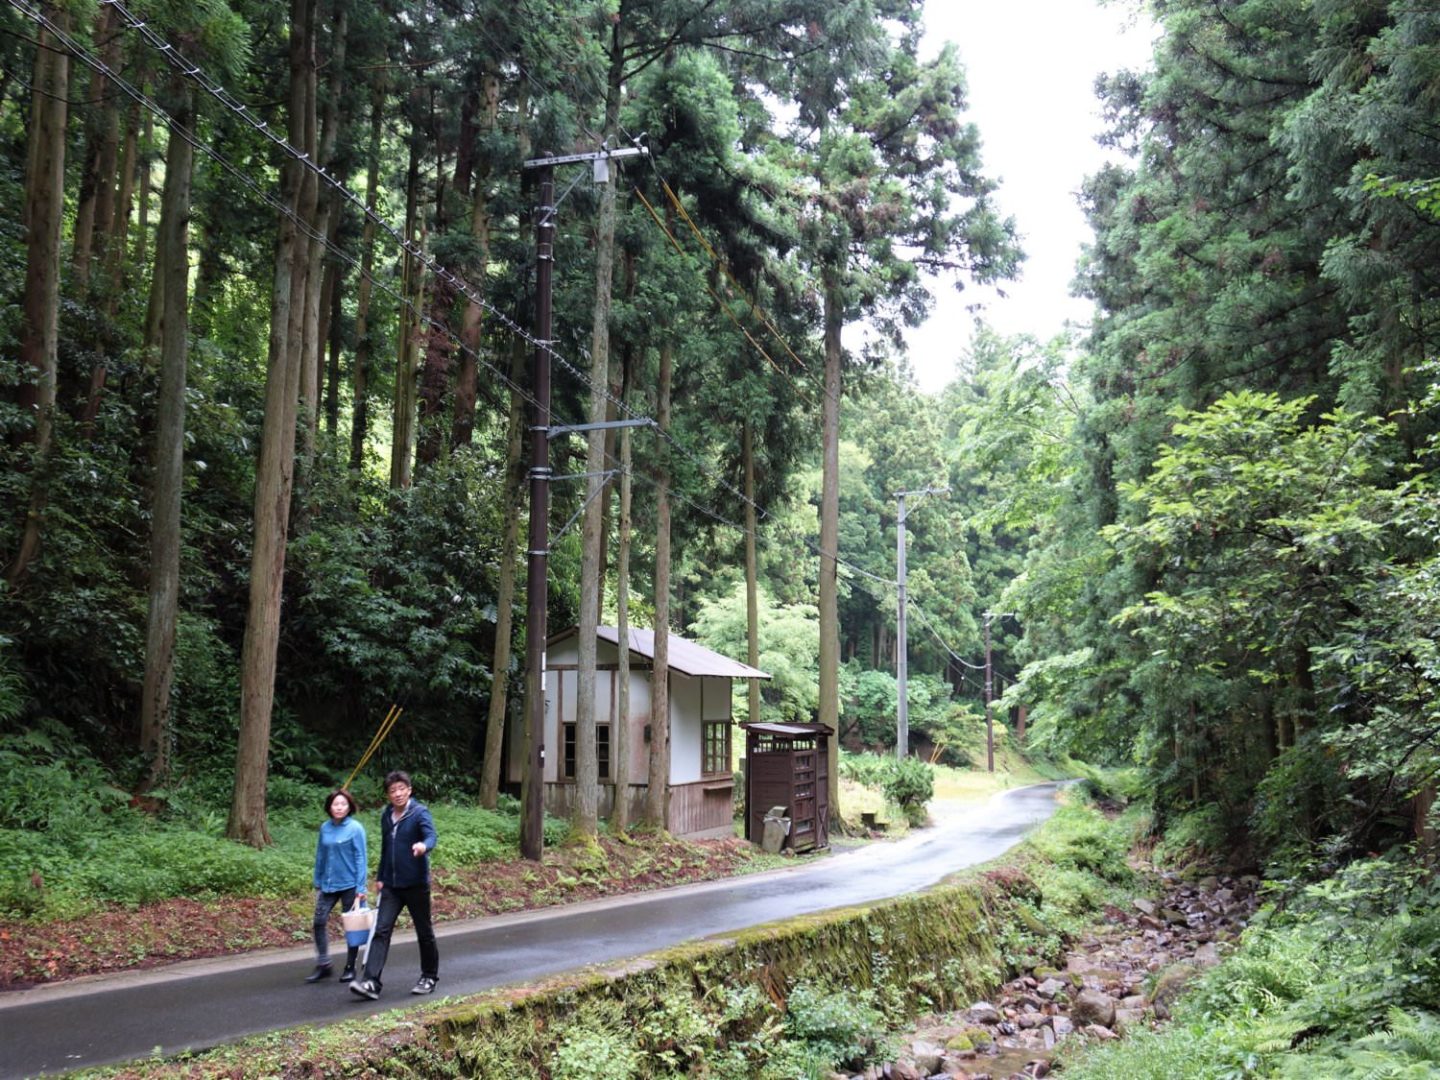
point(400, 869)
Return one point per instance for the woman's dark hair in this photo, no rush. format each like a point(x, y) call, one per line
point(338, 793)
point(399, 776)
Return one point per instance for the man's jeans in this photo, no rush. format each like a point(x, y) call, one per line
point(415, 898)
point(324, 901)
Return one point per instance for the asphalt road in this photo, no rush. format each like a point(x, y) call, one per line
point(195, 1005)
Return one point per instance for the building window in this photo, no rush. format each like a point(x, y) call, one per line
point(716, 750)
point(602, 751)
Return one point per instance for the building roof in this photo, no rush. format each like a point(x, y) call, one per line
point(770, 727)
point(687, 657)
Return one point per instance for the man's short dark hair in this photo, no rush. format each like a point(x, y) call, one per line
point(398, 776)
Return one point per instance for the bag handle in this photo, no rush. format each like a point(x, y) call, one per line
point(359, 899)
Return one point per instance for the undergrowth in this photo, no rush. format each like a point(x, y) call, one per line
point(1337, 979)
point(70, 840)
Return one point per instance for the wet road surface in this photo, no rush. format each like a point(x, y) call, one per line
point(201, 1004)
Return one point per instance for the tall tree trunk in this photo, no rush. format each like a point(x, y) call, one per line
point(360, 373)
point(275, 471)
point(830, 537)
point(142, 215)
point(466, 381)
point(40, 315)
point(515, 471)
point(586, 768)
point(91, 177)
point(334, 334)
point(436, 350)
point(323, 133)
point(155, 308)
point(752, 573)
point(514, 497)
point(164, 586)
point(620, 731)
point(587, 792)
point(657, 796)
point(109, 152)
point(117, 246)
point(402, 448)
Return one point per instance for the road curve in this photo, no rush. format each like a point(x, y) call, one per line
point(199, 1004)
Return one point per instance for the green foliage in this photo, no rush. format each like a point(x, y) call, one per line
point(910, 784)
point(69, 841)
point(1304, 993)
point(596, 1045)
point(1196, 835)
point(838, 1027)
point(789, 651)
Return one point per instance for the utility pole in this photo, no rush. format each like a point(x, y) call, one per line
point(532, 781)
point(902, 660)
point(989, 721)
point(989, 695)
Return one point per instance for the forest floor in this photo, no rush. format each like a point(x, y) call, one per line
point(122, 938)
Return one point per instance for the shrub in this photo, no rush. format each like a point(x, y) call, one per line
point(842, 1028)
point(910, 784)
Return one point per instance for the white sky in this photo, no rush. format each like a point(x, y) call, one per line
point(1030, 66)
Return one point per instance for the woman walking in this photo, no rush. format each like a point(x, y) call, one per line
point(340, 869)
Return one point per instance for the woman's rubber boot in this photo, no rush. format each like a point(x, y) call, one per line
point(348, 975)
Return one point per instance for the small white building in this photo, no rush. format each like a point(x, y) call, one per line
point(702, 784)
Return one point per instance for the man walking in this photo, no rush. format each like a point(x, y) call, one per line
point(407, 836)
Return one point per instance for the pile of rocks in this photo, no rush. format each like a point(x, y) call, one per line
point(1113, 980)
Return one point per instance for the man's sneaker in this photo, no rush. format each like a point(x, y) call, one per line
point(426, 985)
point(366, 988)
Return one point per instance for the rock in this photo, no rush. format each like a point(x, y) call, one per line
point(1061, 1026)
point(927, 1056)
point(1037, 1068)
point(1029, 1020)
point(959, 1043)
point(904, 1070)
point(1145, 907)
point(1093, 1007)
point(1050, 987)
point(1167, 988)
point(1048, 1035)
point(982, 1012)
point(1126, 1019)
point(1134, 1001)
point(1174, 917)
point(1207, 955)
point(1100, 1032)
